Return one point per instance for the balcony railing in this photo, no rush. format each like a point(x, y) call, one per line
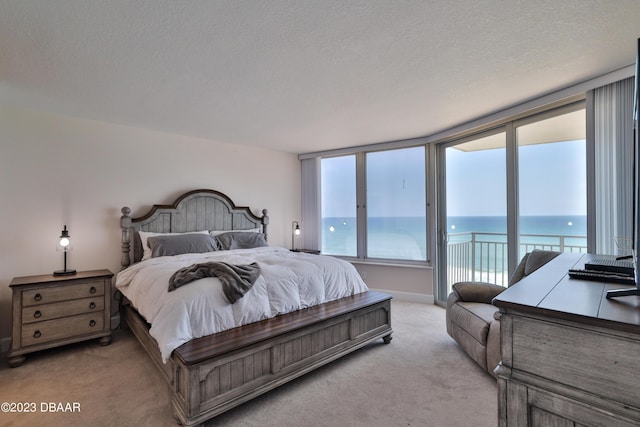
point(482, 257)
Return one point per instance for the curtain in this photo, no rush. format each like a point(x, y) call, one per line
point(614, 166)
point(310, 197)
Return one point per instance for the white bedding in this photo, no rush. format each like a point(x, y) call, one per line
point(289, 281)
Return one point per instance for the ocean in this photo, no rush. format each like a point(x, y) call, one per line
point(388, 238)
point(554, 225)
point(406, 237)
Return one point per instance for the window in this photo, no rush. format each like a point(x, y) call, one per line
point(339, 207)
point(374, 205)
point(396, 199)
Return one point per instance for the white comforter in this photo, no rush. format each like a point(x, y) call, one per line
point(289, 281)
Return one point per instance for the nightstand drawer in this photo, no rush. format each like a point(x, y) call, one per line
point(50, 330)
point(56, 310)
point(47, 295)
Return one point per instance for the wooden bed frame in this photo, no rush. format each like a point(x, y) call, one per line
point(213, 374)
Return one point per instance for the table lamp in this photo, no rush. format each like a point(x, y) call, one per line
point(295, 227)
point(64, 245)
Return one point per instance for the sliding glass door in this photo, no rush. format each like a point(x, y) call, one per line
point(473, 222)
point(552, 181)
point(521, 187)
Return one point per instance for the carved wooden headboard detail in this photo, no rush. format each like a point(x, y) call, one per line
point(193, 211)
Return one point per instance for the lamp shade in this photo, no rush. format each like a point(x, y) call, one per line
point(295, 231)
point(64, 244)
point(64, 240)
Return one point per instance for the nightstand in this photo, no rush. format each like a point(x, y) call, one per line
point(50, 311)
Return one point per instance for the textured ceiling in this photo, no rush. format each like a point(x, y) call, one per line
point(303, 75)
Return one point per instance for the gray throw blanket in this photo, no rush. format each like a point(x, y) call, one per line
point(236, 279)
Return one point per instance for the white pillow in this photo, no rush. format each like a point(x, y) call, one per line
point(144, 235)
point(214, 233)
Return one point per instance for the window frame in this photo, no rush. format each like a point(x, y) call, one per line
point(361, 205)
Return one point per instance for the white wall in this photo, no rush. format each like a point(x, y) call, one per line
point(59, 170)
point(409, 283)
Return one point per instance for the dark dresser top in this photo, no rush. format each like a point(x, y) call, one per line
point(551, 292)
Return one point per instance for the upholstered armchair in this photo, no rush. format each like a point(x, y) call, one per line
point(474, 322)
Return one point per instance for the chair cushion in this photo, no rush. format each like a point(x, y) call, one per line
point(474, 318)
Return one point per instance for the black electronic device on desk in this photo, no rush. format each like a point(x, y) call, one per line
point(611, 270)
point(610, 265)
point(602, 276)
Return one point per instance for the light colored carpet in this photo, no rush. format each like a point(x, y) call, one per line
point(421, 379)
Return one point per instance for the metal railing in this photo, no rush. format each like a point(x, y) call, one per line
point(482, 257)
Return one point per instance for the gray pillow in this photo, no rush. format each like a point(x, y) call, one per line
point(241, 240)
point(181, 244)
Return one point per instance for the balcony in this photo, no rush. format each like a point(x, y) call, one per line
point(482, 257)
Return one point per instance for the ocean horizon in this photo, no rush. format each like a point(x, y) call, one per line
point(406, 237)
point(552, 225)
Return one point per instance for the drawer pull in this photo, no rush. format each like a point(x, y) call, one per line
point(92, 305)
point(37, 297)
point(92, 323)
point(92, 290)
point(37, 314)
point(37, 334)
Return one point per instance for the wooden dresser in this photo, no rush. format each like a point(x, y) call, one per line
point(570, 357)
point(50, 311)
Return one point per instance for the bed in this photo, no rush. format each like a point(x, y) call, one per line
point(213, 373)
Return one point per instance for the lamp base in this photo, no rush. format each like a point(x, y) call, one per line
point(64, 273)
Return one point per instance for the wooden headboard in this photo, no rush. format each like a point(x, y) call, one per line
point(193, 211)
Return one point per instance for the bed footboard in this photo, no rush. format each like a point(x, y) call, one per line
point(213, 374)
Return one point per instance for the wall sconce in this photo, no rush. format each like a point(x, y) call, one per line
point(295, 231)
point(64, 244)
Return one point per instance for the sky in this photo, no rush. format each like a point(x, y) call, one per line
point(395, 184)
point(552, 182)
point(339, 187)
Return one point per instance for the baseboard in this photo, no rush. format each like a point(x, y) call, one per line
point(409, 296)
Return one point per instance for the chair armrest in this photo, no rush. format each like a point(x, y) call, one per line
point(477, 291)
